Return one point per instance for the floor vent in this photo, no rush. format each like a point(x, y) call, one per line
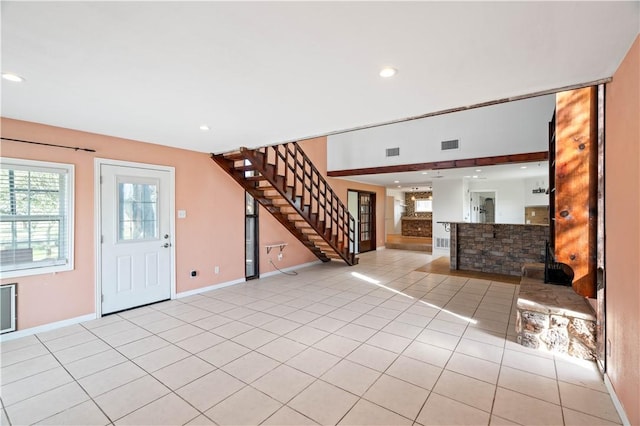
point(7, 308)
point(393, 152)
point(452, 144)
point(442, 243)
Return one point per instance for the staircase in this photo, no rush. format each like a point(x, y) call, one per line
point(288, 185)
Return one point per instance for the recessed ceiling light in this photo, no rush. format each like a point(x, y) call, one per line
point(478, 170)
point(399, 186)
point(523, 167)
point(475, 176)
point(396, 181)
point(424, 173)
point(388, 72)
point(12, 77)
point(205, 128)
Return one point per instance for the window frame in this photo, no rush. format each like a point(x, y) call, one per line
point(48, 166)
point(426, 201)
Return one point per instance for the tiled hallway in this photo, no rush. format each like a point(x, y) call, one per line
point(378, 343)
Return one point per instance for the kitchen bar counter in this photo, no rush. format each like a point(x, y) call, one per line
point(496, 248)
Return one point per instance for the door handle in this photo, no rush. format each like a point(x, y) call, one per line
point(166, 245)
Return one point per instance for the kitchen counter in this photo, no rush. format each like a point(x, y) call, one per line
point(497, 248)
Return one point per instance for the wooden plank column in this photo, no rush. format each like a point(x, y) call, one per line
point(576, 186)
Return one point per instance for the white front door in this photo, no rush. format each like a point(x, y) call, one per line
point(136, 236)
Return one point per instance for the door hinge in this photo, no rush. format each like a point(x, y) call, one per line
point(102, 297)
point(101, 239)
point(100, 179)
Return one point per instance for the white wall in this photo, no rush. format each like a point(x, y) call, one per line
point(510, 128)
point(466, 202)
point(398, 210)
point(531, 199)
point(509, 200)
point(447, 206)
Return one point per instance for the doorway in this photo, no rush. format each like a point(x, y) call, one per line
point(251, 270)
point(362, 206)
point(482, 206)
point(135, 235)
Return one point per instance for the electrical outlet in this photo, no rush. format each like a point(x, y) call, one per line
point(216, 270)
point(279, 256)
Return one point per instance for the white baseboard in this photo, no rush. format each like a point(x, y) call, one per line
point(616, 401)
point(208, 288)
point(240, 281)
point(292, 268)
point(59, 324)
point(46, 327)
point(381, 248)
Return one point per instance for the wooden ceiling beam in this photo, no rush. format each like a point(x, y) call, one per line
point(441, 165)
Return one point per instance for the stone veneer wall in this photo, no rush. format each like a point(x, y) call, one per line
point(555, 319)
point(416, 228)
point(410, 209)
point(496, 248)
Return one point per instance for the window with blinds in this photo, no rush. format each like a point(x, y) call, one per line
point(36, 221)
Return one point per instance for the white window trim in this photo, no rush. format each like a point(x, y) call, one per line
point(423, 210)
point(70, 168)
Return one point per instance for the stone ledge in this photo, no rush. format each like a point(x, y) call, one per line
point(536, 296)
point(554, 318)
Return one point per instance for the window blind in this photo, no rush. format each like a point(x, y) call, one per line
point(35, 215)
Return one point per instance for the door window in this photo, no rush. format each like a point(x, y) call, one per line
point(137, 211)
point(251, 237)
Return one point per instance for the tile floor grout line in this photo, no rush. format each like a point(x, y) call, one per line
point(555, 369)
point(443, 369)
point(31, 375)
point(6, 413)
point(79, 385)
point(495, 391)
point(390, 364)
point(148, 374)
point(361, 301)
point(171, 391)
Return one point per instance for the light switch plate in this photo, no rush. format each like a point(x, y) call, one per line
point(182, 214)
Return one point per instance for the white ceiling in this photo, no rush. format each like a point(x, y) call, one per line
point(260, 73)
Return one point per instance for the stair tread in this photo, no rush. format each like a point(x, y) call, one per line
point(245, 168)
point(235, 156)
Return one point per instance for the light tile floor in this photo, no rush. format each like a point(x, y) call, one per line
point(378, 343)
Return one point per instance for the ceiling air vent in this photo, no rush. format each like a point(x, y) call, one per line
point(393, 152)
point(452, 144)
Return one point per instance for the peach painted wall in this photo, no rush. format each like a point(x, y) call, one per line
point(316, 150)
point(211, 235)
point(271, 232)
point(622, 224)
point(342, 187)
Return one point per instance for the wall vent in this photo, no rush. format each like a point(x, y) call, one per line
point(393, 152)
point(7, 308)
point(442, 243)
point(452, 144)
